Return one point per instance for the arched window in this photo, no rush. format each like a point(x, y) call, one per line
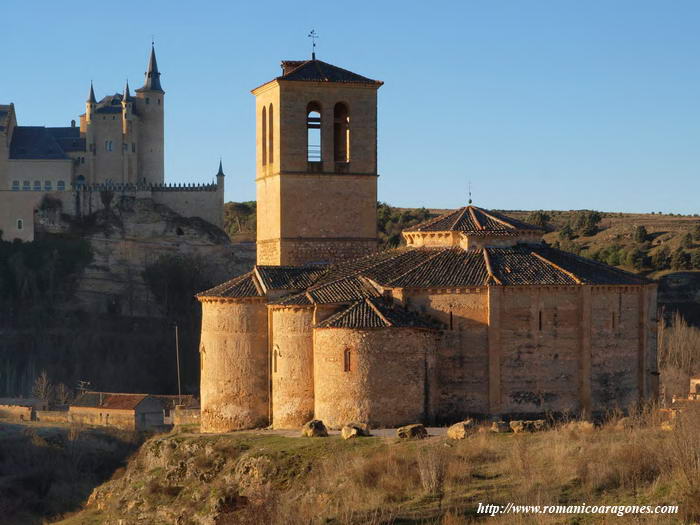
point(346, 360)
point(313, 132)
point(37, 185)
point(80, 180)
point(275, 355)
point(48, 186)
point(15, 185)
point(20, 224)
point(270, 132)
point(341, 133)
point(263, 136)
point(26, 185)
point(61, 185)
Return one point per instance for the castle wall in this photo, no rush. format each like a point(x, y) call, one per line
point(292, 366)
point(18, 205)
point(462, 355)
point(41, 170)
point(234, 365)
point(388, 381)
point(108, 164)
point(207, 205)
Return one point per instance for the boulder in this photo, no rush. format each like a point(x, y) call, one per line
point(517, 426)
point(462, 429)
point(353, 430)
point(500, 427)
point(416, 431)
point(314, 428)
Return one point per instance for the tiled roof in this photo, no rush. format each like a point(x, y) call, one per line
point(241, 286)
point(109, 400)
point(319, 71)
point(34, 142)
point(473, 220)
point(288, 277)
point(374, 313)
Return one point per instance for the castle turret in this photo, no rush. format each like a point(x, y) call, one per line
point(149, 102)
point(129, 165)
point(220, 192)
point(90, 103)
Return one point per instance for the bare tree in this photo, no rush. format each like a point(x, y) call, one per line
point(63, 394)
point(42, 389)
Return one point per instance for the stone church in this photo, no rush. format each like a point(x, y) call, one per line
point(474, 316)
point(118, 146)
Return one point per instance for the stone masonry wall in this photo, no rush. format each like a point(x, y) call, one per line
point(540, 332)
point(292, 366)
point(462, 356)
point(234, 365)
point(388, 381)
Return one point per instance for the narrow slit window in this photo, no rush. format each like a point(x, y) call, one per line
point(20, 224)
point(263, 136)
point(341, 133)
point(274, 361)
point(346, 361)
point(539, 321)
point(612, 320)
point(270, 136)
point(313, 132)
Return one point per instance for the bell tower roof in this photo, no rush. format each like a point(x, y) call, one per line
point(152, 81)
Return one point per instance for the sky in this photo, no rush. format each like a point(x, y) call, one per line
point(540, 104)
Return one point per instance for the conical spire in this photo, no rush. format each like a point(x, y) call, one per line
point(91, 97)
point(220, 173)
point(127, 94)
point(152, 82)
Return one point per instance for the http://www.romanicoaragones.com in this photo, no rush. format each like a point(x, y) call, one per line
point(616, 510)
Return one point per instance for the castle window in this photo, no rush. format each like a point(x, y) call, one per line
point(313, 132)
point(263, 138)
point(125, 147)
point(82, 160)
point(539, 321)
point(270, 131)
point(20, 224)
point(15, 185)
point(61, 185)
point(148, 100)
point(133, 147)
point(158, 102)
point(26, 186)
point(341, 133)
point(179, 231)
point(37, 185)
point(108, 145)
point(612, 320)
point(48, 186)
point(346, 360)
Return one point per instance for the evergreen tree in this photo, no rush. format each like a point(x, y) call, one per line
point(679, 260)
point(695, 260)
point(660, 260)
point(539, 219)
point(640, 234)
point(687, 241)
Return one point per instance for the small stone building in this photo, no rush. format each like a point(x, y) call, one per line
point(475, 316)
point(124, 411)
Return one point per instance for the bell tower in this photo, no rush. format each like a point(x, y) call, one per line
point(316, 164)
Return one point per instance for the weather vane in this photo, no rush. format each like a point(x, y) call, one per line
point(470, 192)
point(313, 36)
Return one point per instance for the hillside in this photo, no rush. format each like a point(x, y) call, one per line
point(266, 477)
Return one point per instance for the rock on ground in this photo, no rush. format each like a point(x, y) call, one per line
point(462, 429)
point(353, 430)
point(314, 428)
point(416, 431)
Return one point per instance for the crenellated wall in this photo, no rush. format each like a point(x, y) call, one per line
point(234, 386)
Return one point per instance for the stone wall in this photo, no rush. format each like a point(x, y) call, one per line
point(122, 419)
point(292, 366)
point(384, 380)
point(53, 416)
point(186, 416)
point(234, 386)
point(540, 333)
point(462, 356)
point(16, 412)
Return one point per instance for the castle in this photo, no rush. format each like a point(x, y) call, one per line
point(475, 316)
point(118, 147)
